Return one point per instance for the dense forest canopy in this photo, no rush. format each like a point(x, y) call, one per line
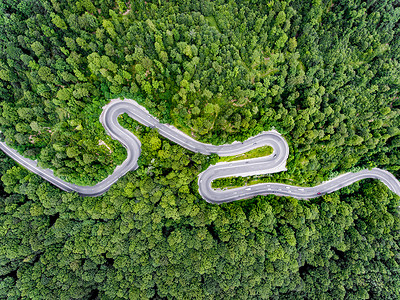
point(323, 73)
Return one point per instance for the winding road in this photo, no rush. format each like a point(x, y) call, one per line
point(276, 162)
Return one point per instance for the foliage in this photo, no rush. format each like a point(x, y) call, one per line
point(325, 76)
point(258, 152)
point(149, 238)
point(323, 73)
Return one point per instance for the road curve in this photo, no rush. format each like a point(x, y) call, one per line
point(276, 162)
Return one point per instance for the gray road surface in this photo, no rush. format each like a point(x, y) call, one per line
point(276, 162)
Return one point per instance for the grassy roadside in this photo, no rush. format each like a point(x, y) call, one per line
point(282, 177)
point(258, 152)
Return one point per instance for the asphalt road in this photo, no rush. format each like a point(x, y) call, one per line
point(276, 162)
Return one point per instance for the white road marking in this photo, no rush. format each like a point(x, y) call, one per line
point(255, 166)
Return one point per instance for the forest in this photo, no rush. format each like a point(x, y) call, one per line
point(323, 73)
